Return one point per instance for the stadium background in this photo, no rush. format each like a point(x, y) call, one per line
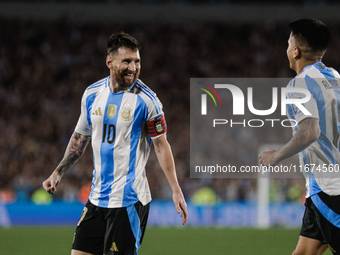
point(51, 50)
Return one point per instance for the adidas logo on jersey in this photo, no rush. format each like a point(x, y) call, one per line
point(98, 112)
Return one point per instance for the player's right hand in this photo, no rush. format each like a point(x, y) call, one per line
point(50, 185)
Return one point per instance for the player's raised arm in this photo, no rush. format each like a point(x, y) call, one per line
point(166, 161)
point(75, 149)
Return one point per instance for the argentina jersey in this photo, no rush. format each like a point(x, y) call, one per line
point(117, 124)
point(322, 157)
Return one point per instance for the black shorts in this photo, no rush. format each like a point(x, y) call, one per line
point(321, 220)
point(111, 230)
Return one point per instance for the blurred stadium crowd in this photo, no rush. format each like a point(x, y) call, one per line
point(46, 66)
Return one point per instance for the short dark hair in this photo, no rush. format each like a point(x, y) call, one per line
point(311, 32)
point(122, 39)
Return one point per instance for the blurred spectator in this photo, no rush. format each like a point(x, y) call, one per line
point(5, 220)
point(84, 193)
point(41, 197)
point(205, 196)
point(7, 196)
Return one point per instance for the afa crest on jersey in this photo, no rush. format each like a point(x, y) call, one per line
point(126, 113)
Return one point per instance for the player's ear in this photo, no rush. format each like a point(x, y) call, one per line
point(297, 53)
point(109, 61)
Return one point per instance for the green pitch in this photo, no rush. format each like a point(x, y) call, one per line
point(158, 241)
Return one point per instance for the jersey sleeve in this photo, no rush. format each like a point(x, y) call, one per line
point(156, 123)
point(311, 105)
point(84, 123)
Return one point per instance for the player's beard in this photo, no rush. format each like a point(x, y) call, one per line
point(123, 82)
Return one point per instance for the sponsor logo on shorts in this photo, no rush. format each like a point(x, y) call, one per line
point(114, 247)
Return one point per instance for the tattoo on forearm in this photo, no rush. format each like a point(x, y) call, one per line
point(302, 134)
point(75, 149)
point(300, 141)
point(77, 144)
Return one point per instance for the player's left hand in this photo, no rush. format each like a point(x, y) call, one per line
point(181, 205)
point(268, 158)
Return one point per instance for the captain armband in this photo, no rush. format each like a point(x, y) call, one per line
point(157, 127)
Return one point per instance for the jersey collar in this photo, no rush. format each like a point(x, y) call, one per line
point(318, 65)
point(132, 86)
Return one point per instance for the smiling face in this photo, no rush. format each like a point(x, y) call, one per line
point(124, 67)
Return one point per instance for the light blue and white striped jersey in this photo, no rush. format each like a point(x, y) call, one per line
point(322, 157)
point(120, 141)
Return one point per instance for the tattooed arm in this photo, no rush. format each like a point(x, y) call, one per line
point(307, 133)
point(75, 149)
